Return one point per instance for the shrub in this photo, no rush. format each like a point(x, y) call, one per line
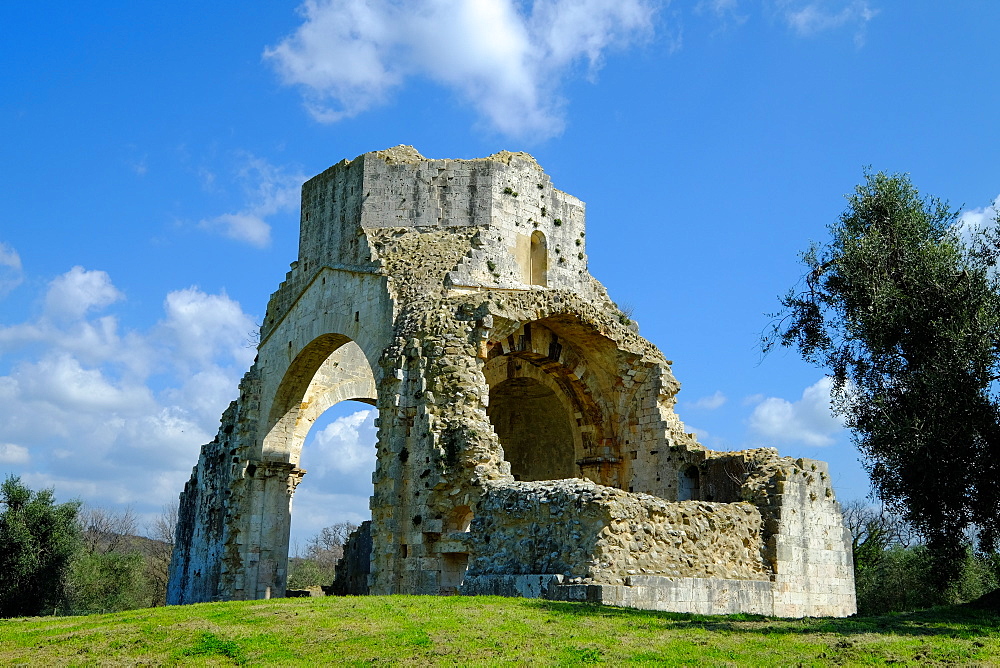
point(902, 579)
point(37, 540)
point(107, 582)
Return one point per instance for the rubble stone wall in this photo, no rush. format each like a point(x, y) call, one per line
point(599, 534)
point(353, 569)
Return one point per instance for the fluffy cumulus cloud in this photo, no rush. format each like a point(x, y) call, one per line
point(268, 190)
point(347, 445)
point(113, 416)
point(202, 327)
point(11, 273)
point(808, 421)
point(78, 291)
point(505, 58)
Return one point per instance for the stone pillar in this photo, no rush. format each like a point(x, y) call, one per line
point(274, 485)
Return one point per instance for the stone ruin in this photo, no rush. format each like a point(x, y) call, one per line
point(527, 439)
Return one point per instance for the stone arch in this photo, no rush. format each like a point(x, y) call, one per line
point(538, 364)
point(459, 519)
point(329, 369)
point(538, 259)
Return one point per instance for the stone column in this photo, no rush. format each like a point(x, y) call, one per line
point(270, 523)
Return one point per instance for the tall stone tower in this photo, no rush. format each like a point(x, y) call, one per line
point(527, 439)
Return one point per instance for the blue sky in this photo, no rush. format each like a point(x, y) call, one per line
point(152, 155)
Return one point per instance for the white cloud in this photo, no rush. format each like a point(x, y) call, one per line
point(11, 453)
point(347, 445)
point(709, 403)
point(114, 416)
point(202, 327)
point(268, 190)
point(973, 221)
point(815, 16)
point(505, 58)
point(242, 227)
point(808, 421)
point(60, 379)
point(11, 272)
point(64, 324)
point(78, 291)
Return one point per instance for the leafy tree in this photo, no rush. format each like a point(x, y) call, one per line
point(907, 319)
point(107, 582)
point(110, 570)
point(37, 540)
point(317, 565)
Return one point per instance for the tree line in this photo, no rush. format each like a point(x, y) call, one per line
point(68, 558)
point(71, 559)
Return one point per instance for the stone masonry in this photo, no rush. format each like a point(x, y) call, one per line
point(527, 439)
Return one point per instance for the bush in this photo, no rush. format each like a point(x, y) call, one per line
point(902, 579)
point(107, 582)
point(894, 571)
point(115, 568)
point(37, 540)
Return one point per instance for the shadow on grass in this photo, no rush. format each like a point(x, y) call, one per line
point(957, 621)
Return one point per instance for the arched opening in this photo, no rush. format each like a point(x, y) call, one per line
point(459, 519)
point(328, 371)
point(539, 259)
point(333, 499)
point(689, 484)
point(534, 430)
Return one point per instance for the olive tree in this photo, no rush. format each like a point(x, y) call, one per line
point(38, 539)
point(906, 318)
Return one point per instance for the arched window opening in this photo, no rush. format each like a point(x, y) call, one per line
point(539, 259)
point(459, 519)
point(689, 484)
point(534, 430)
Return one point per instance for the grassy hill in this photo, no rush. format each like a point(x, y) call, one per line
point(418, 630)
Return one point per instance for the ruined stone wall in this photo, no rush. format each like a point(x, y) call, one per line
point(354, 568)
point(205, 560)
point(808, 544)
point(600, 534)
point(436, 447)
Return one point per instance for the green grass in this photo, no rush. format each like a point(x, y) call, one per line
point(419, 630)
